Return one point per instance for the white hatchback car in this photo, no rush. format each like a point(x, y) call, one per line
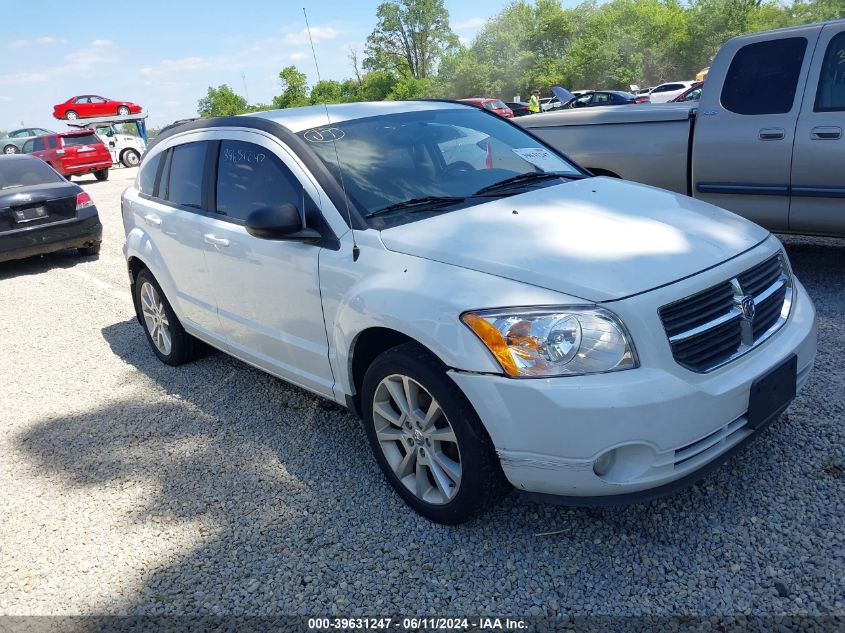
point(493, 313)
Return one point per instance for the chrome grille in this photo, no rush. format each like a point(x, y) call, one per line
point(712, 327)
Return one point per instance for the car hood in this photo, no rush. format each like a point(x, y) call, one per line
point(598, 239)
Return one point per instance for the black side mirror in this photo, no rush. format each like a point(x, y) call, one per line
point(280, 223)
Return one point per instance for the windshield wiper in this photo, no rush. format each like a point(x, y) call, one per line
point(519, 179)
point(425, 201)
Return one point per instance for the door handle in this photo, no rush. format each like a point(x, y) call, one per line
point(771, 134)
point(152, 220)
point(216, 241)
point(830, 133)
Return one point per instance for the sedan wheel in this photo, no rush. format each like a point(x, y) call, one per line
point(10, 149)
point(155, 318)
point(123, 111)
point(427, 438)
point(71, 115)
point(416, 439)
point(165, 334)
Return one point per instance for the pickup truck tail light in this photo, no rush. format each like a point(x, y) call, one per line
point(83, 201)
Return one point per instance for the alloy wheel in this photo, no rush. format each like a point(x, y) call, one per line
point(416, 439)
point(155, 318)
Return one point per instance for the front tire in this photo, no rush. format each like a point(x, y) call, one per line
point(101, 174)
point(165, 334)
point(10, 149)
point(427, 438)
point(70, 115)
point(130, 158)
point(123, 111)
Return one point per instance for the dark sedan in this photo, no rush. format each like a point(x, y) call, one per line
point(41, 212)
point(519, 108)
point(602, 98)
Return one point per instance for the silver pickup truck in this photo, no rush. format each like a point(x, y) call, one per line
point(765, 140)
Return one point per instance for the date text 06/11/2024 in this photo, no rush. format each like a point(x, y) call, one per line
point(418, 624)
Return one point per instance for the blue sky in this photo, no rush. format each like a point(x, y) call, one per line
point(165, 54)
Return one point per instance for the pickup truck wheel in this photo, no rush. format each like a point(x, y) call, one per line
point(165, 334)
point(70, 115)
point(130, 158)
point(426, 437)
point(123, 111)
point(10, 149)
point(101, 174)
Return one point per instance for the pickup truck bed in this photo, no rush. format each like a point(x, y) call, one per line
point(647, 143)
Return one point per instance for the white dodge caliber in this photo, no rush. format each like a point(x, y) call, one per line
point(493, 313)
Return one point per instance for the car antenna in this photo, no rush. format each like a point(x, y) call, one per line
point(355, 250)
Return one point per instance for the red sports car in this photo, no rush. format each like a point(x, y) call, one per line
point(86, 106)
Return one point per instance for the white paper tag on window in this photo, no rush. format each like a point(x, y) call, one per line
point(542, 158)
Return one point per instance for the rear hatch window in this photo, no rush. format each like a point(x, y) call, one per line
point(80, 139)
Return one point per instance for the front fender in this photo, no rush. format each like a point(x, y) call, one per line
point(420, 298)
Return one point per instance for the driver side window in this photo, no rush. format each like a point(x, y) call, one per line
point(250, 177)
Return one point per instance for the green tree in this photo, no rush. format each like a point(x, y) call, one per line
point(294, 89)
point(376, 85)
point(410, 37)
point(327, 91)
point(221, 101)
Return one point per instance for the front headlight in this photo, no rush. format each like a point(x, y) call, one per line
point(544, 342)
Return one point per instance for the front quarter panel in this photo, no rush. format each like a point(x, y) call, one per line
point(420, 298)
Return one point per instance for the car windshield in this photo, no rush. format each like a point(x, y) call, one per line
point(443, 153)
point(23, 172)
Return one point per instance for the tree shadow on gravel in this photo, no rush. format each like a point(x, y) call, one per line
point(294, 516)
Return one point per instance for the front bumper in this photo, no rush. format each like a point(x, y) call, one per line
point(82, 231)
point(668, 424)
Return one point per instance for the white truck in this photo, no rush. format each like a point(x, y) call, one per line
point(124, 148)
point(764, 141)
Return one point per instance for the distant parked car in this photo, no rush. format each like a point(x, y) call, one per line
point(602, 98)
point(72, 153)
point(13, 144)
point(494, 105)
point(40, 212)
point(668, 91)
point(693, 93)
point(549, 103)
point(519, 108)
point(86, 106)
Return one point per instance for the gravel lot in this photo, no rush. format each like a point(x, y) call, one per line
point(132, 487)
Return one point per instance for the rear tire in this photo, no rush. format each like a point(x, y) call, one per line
point(130, 158)
point(10, 149)
point(436, 454)
point(70, 115)
point(90, 251)
point(165, 334)
point(101, 174)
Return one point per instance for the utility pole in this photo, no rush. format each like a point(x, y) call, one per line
point(246, 90)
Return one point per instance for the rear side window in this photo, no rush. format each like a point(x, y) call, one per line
point(37, 144)
point(185, 177)
point(80, 139)
point(147, 174)
point(763, 77)
point(830, 96)
point(29, 171)
point(51, 142)
point(250, 177)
